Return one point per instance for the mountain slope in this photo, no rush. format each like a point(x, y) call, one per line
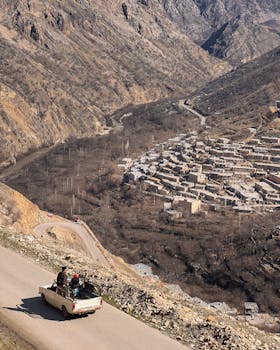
point(188, 16)
point(241, 39)
point(242, 97)
point(16, 212)
point(235, 30)
point(64, 64)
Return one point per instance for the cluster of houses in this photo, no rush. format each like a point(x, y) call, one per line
point(215, 173)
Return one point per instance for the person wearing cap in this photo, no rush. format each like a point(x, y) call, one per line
point(74, 284)
point(61, 279)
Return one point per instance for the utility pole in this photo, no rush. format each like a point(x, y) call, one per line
point(278, 108)
point(239, 218)
point(73, 201)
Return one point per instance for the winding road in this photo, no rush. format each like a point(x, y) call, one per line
point(83, 231)
point(44, 327)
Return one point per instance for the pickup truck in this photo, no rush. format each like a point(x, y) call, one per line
point(62, 298)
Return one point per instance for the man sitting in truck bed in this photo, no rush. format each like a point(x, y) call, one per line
point(74, 285)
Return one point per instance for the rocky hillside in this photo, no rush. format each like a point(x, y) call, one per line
point(17, 212)
point(241, 39)
point(64, 64)
point(237, 31)
point(242, 98)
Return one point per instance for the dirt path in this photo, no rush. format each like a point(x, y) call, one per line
point(200, 116)
point(82, 230)
point(44, 327)
point(118, 124)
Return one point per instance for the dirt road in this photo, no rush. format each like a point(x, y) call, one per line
point(200, 116)
point(44, 327)
point(81, 229)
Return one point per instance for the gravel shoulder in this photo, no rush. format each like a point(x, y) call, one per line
point(9, 340)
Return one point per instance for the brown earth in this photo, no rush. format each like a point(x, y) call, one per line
point(241, 39)
point(16, 211)
point(18, 214)
point(66, 64)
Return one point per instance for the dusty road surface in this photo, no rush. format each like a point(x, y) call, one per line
point(91, 243)
point(200, 116)
point(44, 327)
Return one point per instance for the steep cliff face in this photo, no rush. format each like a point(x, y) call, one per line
point(237, 31)
point(64, 64)
point(188, 16)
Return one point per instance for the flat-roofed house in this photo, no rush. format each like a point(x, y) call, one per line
point(197, 177)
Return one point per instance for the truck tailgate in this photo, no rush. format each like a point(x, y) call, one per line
point(87, 304)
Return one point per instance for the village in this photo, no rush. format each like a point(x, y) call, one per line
point(194, 175)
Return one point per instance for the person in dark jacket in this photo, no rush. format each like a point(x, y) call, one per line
point(74, 284)
point(61, 279)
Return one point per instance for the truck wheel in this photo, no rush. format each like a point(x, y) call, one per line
point(65, 313)
point(44, 300)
